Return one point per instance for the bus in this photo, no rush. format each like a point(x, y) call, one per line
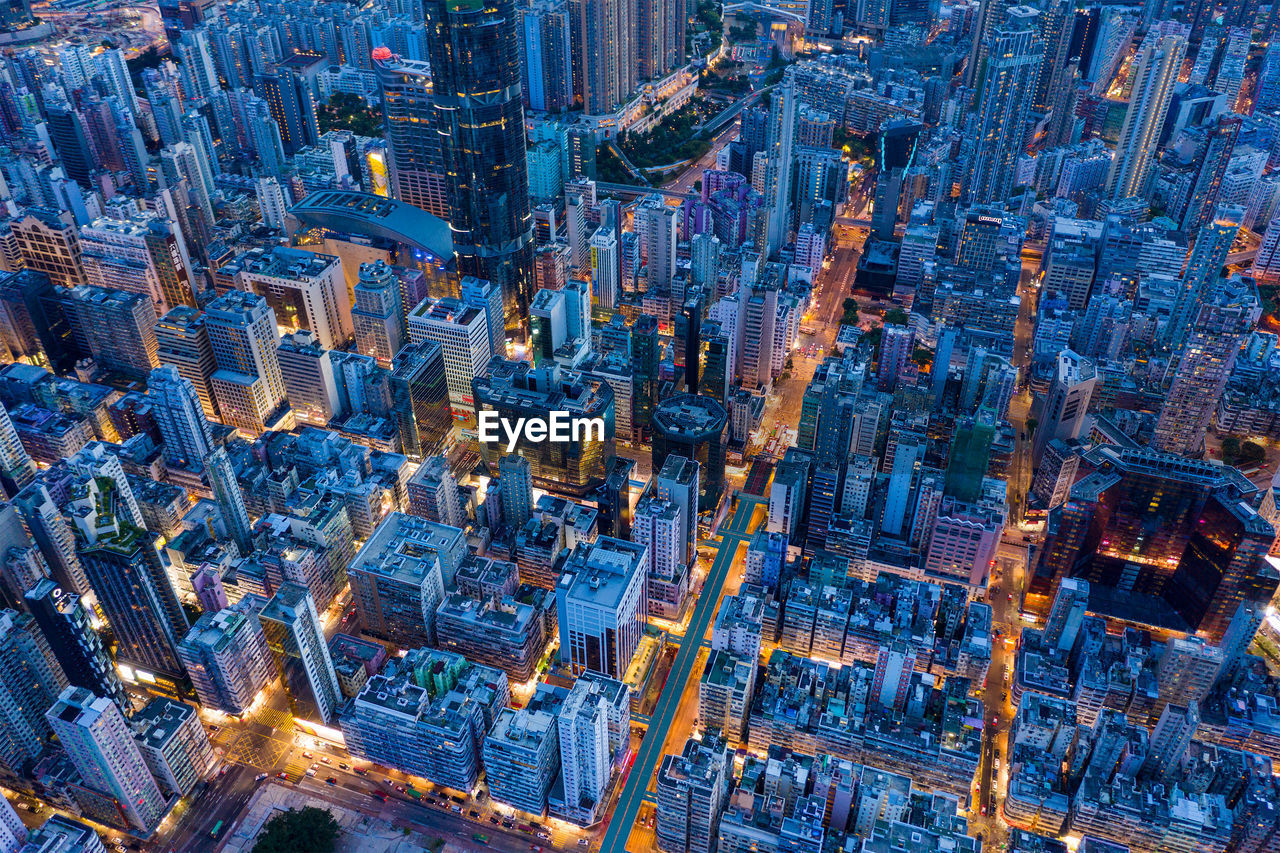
point(482, 839)
point(217, 828)
point(413, 792)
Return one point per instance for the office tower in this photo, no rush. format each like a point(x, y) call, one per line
point(415, 159)
point(50, 244)
point(16, 467)
point(399, 576)
point(420, 398)
point(484, 146)
point(560, 324)
point(677, 482)
point(295, 637)
point(174, 745)
point(247, 386)
point(64, 621)
point(517, 389)
point(1007, 89)
point(692, 789)
point(182, 341)
point(181, 166)
point(30, 681)
point(546, 70)
point(462, 332)
point(306, 290)
point(781, 139)
point(312, 376)
point(592, 715)
point(605, 50)
point(1195, 573)
point(600, 606)
point(176, 408)
point(427, 714)
point(124, 568)
point(694, 426)
point(522, 752)
point(1067, 403)
point(227, 657)
point(1170, 739)
point(613, 500)
point(221, 476)
point(656, 525)
point(114, 327)
point(1070, 603)
point(514, 473)
point(606, 268)
point(1154, 74)
point(1226, 316)
point(1239, 635)
point(377, 314)
point(100, 744)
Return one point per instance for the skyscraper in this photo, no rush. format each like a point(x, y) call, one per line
point(16, 467)
point(1154, 74)
point(605, 51)
point(692, 789)
point(296, 639)
point(183, 342)
point(125, 570)
point(226, 491)
point(475, 71)
point(1006, 90)
point(100, 744)
point(30, 681)
point(180, 417)
point(1226, 316)
point(64, 621)
point(377, 314)
point(415, 159)
point(546, 69)
point(227, 657)
point(247, 385)
point(420, 398)
point(1067, 403)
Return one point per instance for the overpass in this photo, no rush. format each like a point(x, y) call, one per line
point(633, 190)
point(750, 6)
point(730, 112)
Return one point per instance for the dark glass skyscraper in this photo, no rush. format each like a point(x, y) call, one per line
point(475, 72)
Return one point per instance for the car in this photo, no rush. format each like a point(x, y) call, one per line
point(380, 795)
point(214, 729)
point(995, 721)
point(119, 848)
point(984, 808)
point(324, 759)
point(332, 780)
point(506, 824)
point(259, 777)
point(224, 769)
point(307, 755)
point(995, 764)
point(344, 767)
point(400, 788)
point(457, 809)
point(362, 771)
point(493, 819)
point(388, 781)
point(474, 813)
point(282, 775)
point(1011, 596)
point(311, 771)
point(584, 842)
point(1004, 697)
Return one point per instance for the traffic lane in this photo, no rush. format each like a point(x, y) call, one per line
point(223, 800)
point(628, 807)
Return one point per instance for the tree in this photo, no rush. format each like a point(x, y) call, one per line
point(1032, 423)
point(310, 829)
point(922, 356)
point(895, 317)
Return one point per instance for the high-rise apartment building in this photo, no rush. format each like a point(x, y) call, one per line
point(481, 121)
point(295, 637)
point(305, 290)
point(546, 70)
point(594, 723)
point(227, 657)
point(114, 327)
point(100, 744)
point(1067, 403)
point(16, 467)
point(65, 623)
point(1154, 74)
point(30, 681)
point(175, 405)
point(692, 789)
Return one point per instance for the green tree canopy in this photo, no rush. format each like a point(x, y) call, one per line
point(311, 829)
point(895, 317)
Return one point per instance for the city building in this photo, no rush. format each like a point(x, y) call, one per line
point(295, 637)
point(600, 605)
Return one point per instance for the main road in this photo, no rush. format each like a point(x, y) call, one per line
point(633, 793)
